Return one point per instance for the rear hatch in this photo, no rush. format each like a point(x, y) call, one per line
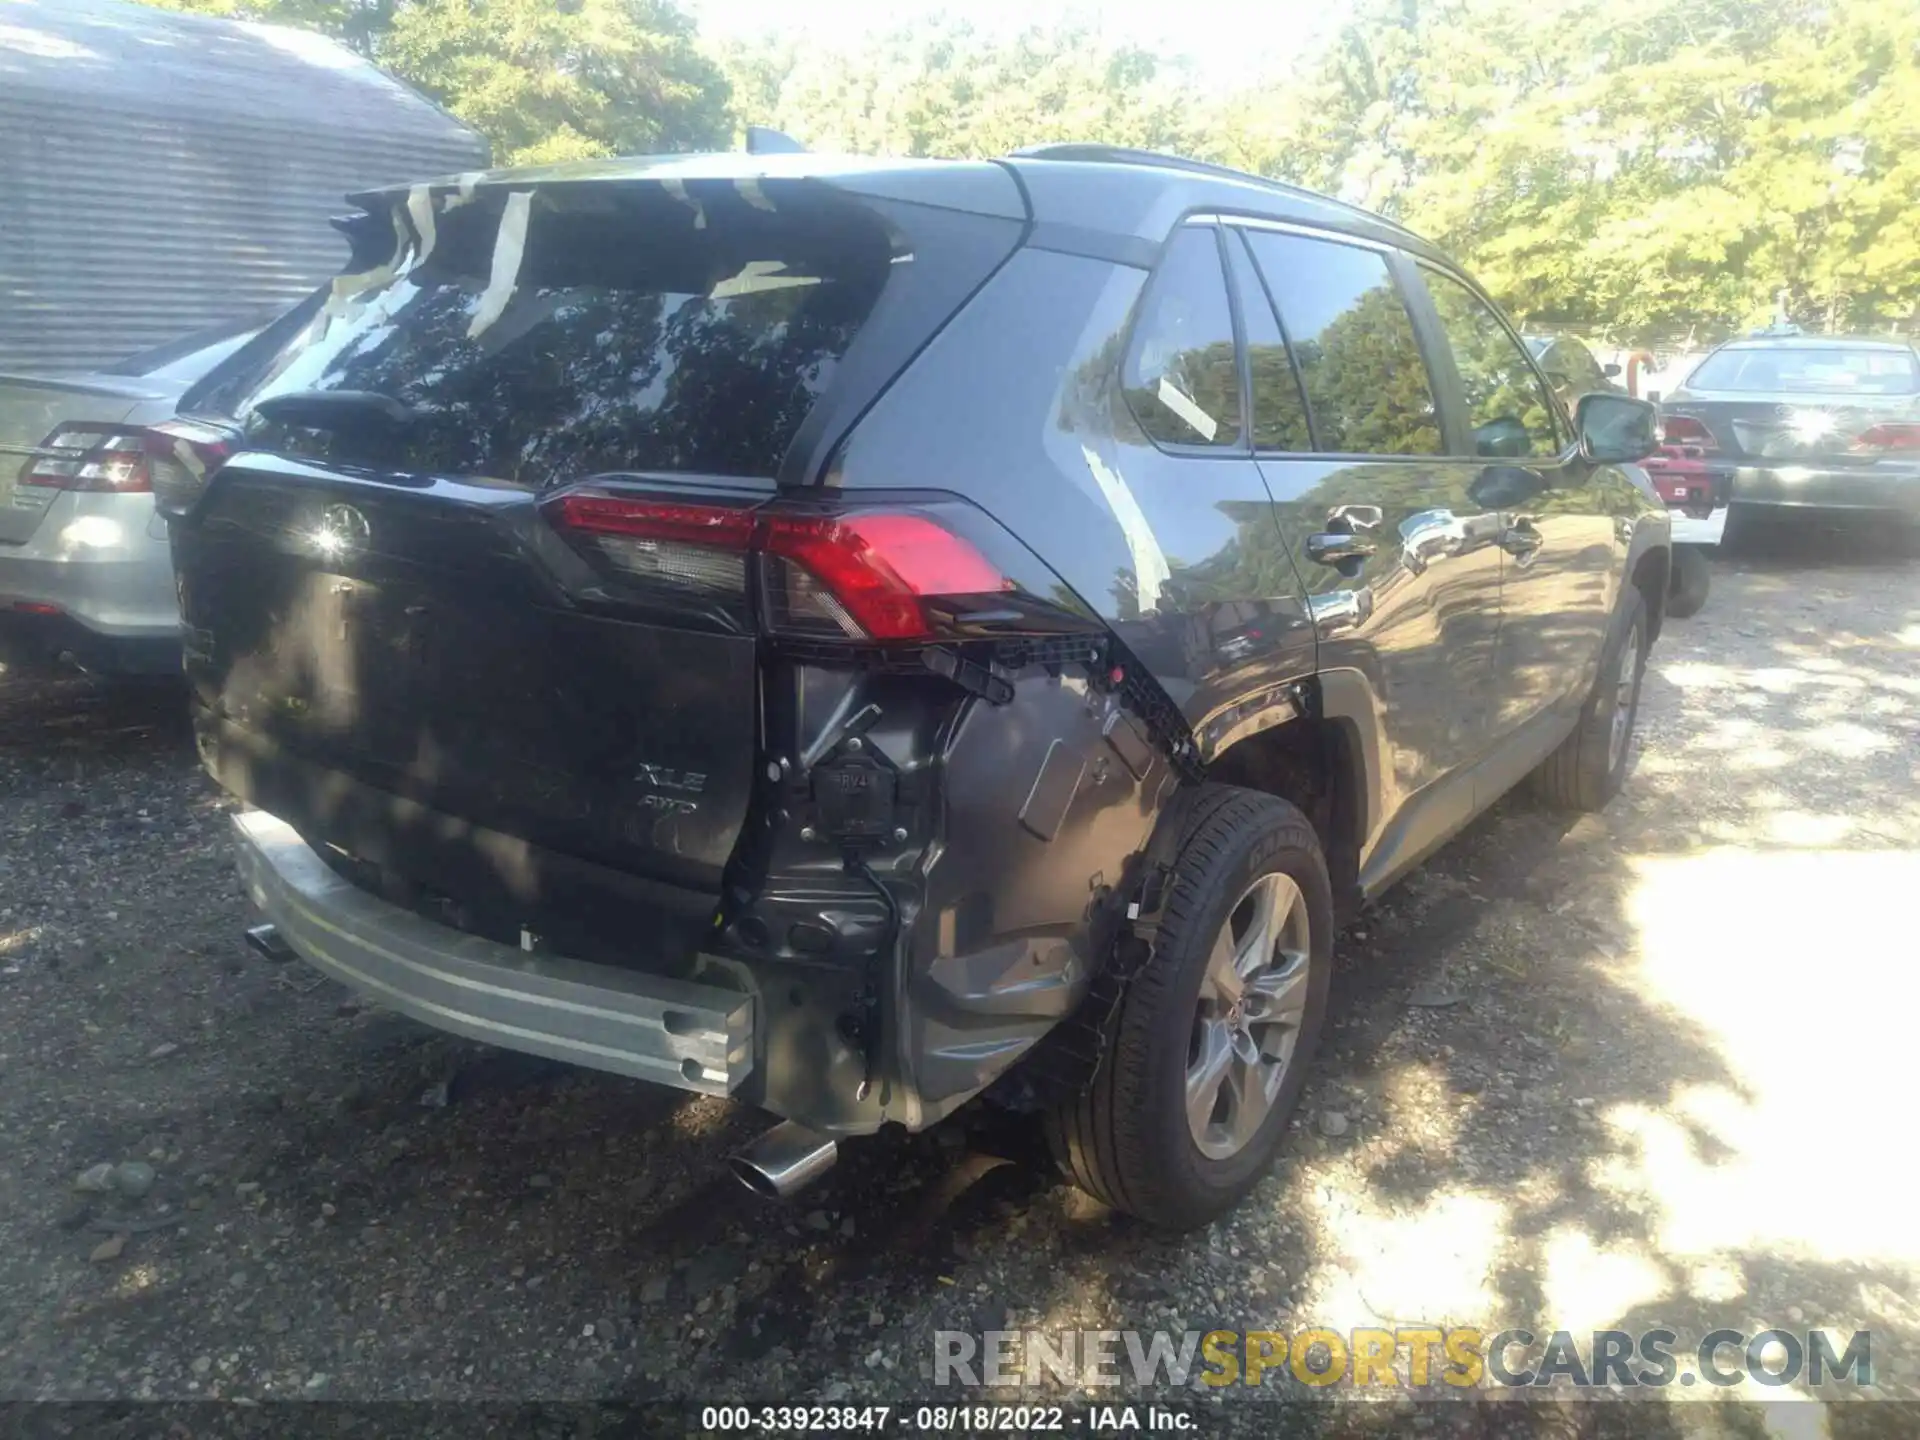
point(372, 589)
point(1802, 405)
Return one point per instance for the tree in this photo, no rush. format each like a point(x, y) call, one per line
point(549, 82)
point(359, 24)
point(1632, 166)
point(543, 80)
point(943, 88)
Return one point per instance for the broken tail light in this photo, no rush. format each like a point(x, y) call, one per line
point(182, 456)
point(90, 457)
point(881, 572)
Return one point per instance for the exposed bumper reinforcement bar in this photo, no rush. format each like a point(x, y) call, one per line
point(673, 1032)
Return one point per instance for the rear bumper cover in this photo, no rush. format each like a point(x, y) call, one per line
point(1881, 488)
point(34, 640)
point(673, 1032)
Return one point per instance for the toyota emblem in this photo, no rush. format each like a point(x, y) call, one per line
point(343, 531)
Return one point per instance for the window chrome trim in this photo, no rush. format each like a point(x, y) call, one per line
point(1288, 227)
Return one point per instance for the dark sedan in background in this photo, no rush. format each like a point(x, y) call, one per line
point(1809, 426)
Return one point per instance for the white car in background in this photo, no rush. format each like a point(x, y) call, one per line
point(86, 576)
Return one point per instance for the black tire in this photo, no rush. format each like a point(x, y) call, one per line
point(1126, 1139)
point(1692, 578)
point(1585, 772)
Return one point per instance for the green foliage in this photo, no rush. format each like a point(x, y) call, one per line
point(1623, 167)
point(1680, 161)
point(357, 23)
point(942, 88)
point(549, 82)
point(543, 80)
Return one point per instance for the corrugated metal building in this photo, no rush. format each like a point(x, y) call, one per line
point(162, 172)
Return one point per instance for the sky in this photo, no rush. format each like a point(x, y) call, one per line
point(1227, 41)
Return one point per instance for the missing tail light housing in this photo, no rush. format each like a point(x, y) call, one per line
point(884, 572)
point(182, 456)
point(84, 456)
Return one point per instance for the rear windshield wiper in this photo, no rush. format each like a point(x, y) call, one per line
point(327, 409)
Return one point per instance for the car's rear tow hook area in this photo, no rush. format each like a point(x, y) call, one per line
point(785, 1160)
point(266, 942)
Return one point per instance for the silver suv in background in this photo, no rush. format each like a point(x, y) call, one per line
point(85, 576)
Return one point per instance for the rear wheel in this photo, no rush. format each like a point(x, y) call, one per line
point(1586, 771)
point(1692, 577)
point(1208, 1051)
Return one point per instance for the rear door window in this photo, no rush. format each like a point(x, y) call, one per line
point(1366, 382)
point(1509, 410)
point(1279, 406)
point(1182, 373)
point(602, 329)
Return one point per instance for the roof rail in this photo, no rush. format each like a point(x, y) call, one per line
point(1094, 153)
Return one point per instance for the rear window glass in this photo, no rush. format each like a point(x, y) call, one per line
point(1810, 368)
point(630, 329)
point(1183, 374)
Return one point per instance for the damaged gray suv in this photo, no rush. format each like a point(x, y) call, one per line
point(853, 635)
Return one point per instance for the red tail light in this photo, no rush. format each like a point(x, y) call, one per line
point(182, 456)
point(877, 568)
point(863, 574)
point(1892, 436)
point(1685, 430)
point(85, 456)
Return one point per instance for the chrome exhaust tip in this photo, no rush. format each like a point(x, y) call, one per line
point(266, 942)
point(785, 1160)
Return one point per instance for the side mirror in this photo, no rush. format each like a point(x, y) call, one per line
point(1610, 369)
point(1504, 487)
point(1502, 439)
point(1616, 430)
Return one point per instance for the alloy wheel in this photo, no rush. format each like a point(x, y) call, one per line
point(1253, 995)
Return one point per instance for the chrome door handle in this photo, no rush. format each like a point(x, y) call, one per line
point(1519, 538)
point(1344, 552)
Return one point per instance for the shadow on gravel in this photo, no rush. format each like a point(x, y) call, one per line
point(66, 718)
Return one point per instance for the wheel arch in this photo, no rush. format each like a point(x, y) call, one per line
point(1317, 763)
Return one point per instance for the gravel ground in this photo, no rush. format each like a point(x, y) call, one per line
point(1635, 1069)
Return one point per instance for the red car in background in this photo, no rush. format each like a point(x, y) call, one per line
point(1682, 474)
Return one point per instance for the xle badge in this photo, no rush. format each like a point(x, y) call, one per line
point(664, 778)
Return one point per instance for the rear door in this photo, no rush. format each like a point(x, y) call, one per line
point(1397, 555)
point(1213, 607)
point(1552, 525)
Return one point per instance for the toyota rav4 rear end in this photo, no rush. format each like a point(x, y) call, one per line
point(575, 710)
